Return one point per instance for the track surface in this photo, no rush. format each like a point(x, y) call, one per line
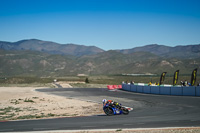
point(149, 111)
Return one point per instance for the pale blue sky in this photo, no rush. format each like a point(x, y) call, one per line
point(108, 24)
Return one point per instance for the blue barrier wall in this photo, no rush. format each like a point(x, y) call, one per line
point(123, 86)
point(197, 91)
point(134, 88)
point(140, 89)
point(155, 90)
point(189, 91)
point(164, 90)
point(128, 87)
point(178, 91)
point(147, 89)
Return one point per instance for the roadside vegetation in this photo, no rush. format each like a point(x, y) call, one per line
point(95, 81)
point(11, 113)
point(24, 109)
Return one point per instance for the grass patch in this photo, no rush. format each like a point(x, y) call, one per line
point(2, 113)
point(118, 130)
point(42, 99)
point(28, 100)
point(14, 101)
point(18, 110)
point(8, 113)
point(7, 116)
point(75, 115)
point(10, 109)
point(26, 85)
point(27, 117)
point(30, 109)
point(36, 116)
point(7, 109)
point(89, 85)
point(51, 115)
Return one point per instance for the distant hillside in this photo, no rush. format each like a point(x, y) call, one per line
point(43, 58)
point(30, 63)
point(189, 51)
point(50, 47)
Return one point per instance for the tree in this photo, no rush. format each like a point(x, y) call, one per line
point(87, 80)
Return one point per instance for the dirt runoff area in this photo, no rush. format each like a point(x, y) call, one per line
point(26, 103)
point(144, 130)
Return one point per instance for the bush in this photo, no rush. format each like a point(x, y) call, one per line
point(87, 80)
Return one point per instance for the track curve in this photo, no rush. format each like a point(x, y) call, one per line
point(149, 111)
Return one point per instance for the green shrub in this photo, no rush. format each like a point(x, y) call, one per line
point(28, 100)
point(87, 80)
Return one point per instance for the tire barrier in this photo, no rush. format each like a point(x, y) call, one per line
point(119, 86)
point(112, 87)
point(163, 90)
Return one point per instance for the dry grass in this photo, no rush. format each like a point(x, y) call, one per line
point(25, 103)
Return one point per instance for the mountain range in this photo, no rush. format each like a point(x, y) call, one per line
point(189, 51)
point(43, 58)
point(50, 47)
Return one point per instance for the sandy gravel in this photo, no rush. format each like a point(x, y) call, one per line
point(171, 130)
point(26, 103)
point(136, 130)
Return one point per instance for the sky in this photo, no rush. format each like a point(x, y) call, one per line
point(107, 24)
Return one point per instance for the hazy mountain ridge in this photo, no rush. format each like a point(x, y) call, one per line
point(43, 58)
point(30, 63)
point(51, 47)
point(189, 51)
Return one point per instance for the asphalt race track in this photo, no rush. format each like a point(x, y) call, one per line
point(149, 111)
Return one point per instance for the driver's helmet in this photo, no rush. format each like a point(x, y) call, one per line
point(104, 100)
